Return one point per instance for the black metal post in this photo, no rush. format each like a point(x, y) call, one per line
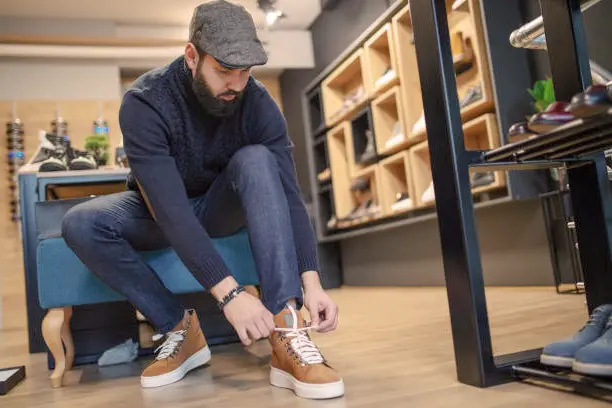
point(589, 187)
point(450, 168)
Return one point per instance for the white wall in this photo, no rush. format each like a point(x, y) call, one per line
point(47, 79)
point(26, 79)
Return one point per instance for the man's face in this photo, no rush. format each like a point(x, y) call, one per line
point(218, 88)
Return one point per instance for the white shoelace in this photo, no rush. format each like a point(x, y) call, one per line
point(173, 341)
point(301, 345)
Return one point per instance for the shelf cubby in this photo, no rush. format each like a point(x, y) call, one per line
point(356, 198)
point(315, 108)
point(410, 84)
point(340, 144)
point(467, 38)
point(389, 126)
point(380, 61)
point(482, 134)
point(327, 211)
point(420, 169)
point(345, 90)
point(321, 157)
point(364, 140)
point(396, 187)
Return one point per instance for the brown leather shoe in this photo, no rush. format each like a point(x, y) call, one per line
point(184, 349)
point(297, 363)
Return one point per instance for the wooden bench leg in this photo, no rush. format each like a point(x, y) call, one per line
point(67, 338)
point(56, 332)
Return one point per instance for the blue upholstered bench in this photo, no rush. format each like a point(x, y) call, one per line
point(64, 282)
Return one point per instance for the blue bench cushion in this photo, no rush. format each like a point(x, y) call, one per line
point(63, 280)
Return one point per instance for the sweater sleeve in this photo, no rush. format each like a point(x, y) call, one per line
point(269, 125)
point(146, 146)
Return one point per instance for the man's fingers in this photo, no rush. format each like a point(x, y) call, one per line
point(263, 328)
point(244, 338)
point(314, 314)
point(253, 331)
point(269, 321)
point(331, 317)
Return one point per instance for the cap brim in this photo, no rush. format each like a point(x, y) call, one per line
point(241, 55)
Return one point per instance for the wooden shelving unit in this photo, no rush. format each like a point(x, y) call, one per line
point(366, 104)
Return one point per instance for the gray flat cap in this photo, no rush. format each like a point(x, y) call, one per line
point(226, 31)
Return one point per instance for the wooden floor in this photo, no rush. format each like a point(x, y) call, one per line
point(393, 348)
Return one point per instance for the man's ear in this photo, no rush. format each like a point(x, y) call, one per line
point(191, 56)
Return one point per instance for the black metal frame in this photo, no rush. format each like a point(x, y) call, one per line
point(450, 161)
point(562, 241)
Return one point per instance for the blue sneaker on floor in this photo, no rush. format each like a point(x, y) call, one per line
point(596, 358)
point(562, 353)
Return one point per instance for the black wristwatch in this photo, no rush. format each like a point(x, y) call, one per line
point(231, 295)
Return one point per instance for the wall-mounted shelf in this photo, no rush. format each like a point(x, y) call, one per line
point(383, 127)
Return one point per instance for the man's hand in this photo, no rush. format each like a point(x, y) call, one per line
point(323, 311)
point(249, 317)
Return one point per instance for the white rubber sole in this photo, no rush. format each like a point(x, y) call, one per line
point(198, 359)
point(593, 369)
point(556, 361)
point(281, 379)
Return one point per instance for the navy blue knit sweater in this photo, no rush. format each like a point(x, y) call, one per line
point(175, 151)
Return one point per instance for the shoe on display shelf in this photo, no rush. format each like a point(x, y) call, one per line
point(82, 160)
point(56, 161)
point(460, 5)
point(595, 100)
point(563, 352)
point(554, 116)
point(462, 53)
point(385, 78)
point(402, 202)
point(473, 94)
point(429, 195)
point(397, 136)
point(369, 153)
point(482, 179)
point(419, 126)
point(520, 131)
point(596, 357)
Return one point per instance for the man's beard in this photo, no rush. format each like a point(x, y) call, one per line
point(213, 104)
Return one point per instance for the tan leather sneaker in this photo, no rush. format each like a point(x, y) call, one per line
point(184, 349)
point(297, 363)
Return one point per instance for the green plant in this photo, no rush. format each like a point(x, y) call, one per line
point(543, 94)
point(98, 145)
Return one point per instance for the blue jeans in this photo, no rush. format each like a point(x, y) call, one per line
point(107, 232)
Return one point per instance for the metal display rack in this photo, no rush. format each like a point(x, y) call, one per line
point(578, 147)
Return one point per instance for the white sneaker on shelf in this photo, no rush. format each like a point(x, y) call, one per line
point(386, 77)
point(403, 202)
point(419, 126)
point(429, 195)
point(397, 136)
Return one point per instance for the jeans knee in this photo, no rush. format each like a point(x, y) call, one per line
point(80, 224)
point(253, 159)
